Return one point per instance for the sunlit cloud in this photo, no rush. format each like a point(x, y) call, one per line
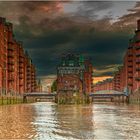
point(99, 79)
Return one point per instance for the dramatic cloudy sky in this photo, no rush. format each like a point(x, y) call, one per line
point(99, 30)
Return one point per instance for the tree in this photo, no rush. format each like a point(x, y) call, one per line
point(54, 86)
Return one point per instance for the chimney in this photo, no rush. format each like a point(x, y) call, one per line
point(138, 24)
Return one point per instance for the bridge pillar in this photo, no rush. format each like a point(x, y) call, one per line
point(123, 99)
point(127, 99)
point(112, 99)
point(24, 99)
point(118, 99)
point(90, 99)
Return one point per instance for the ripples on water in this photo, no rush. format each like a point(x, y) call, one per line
point(48, 121)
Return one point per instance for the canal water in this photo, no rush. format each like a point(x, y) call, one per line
point(48, 121)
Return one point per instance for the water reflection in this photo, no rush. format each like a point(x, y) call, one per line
point(48, 121)
point(75, 121)
point(15, 121)
point(116, 121)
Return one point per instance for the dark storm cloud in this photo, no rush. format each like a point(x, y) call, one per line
point(47, 51)
point(47, 32)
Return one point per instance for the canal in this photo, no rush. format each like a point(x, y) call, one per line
point(48, 121)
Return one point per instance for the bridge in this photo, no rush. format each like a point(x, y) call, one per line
point(35, 96)
point(105, 95)
point(111, 95)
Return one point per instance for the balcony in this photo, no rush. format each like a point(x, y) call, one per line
point(130, 66)
point(21, 71)
point(20, 77)
point(130, 74)
point(130, 60)
point(21, 60)
point(11, 69)
point(21, 56)
point(20, 84)
point(28, 84)
point(28, 78)
point(137, 47)
point(10, 55)
point(130, 84)
point(10, 42)
point(137, 55)
point(137, 78)
point(11, 78)
point(137, 69)
point(130, 55)
point(138, 51)
point(11, 62)
point(21, 66)
point(28, 74)
point(33, 74)
point(130, 47)
point(137, 61)
point(11, 48)
point(28, 71)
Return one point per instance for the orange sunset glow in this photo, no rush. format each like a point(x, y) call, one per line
point(98, 79)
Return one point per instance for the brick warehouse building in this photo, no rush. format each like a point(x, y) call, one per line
point(128, 76)
point(132, 63)
point(15, 76)
point(74, 75)
point(107, 84)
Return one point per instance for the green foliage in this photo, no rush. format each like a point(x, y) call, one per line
point(54, 86)
point(10, 100)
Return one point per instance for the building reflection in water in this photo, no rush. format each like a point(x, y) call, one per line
point(45, 121)
point(63, 122)
point(48, 121)
point(119, 121)
point(75, 122)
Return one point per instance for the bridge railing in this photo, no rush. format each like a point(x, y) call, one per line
point(108, 93)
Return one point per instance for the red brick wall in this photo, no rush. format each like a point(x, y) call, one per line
point(70, 83)
point(0, 78)
point(88, 79)
point(14, 63)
